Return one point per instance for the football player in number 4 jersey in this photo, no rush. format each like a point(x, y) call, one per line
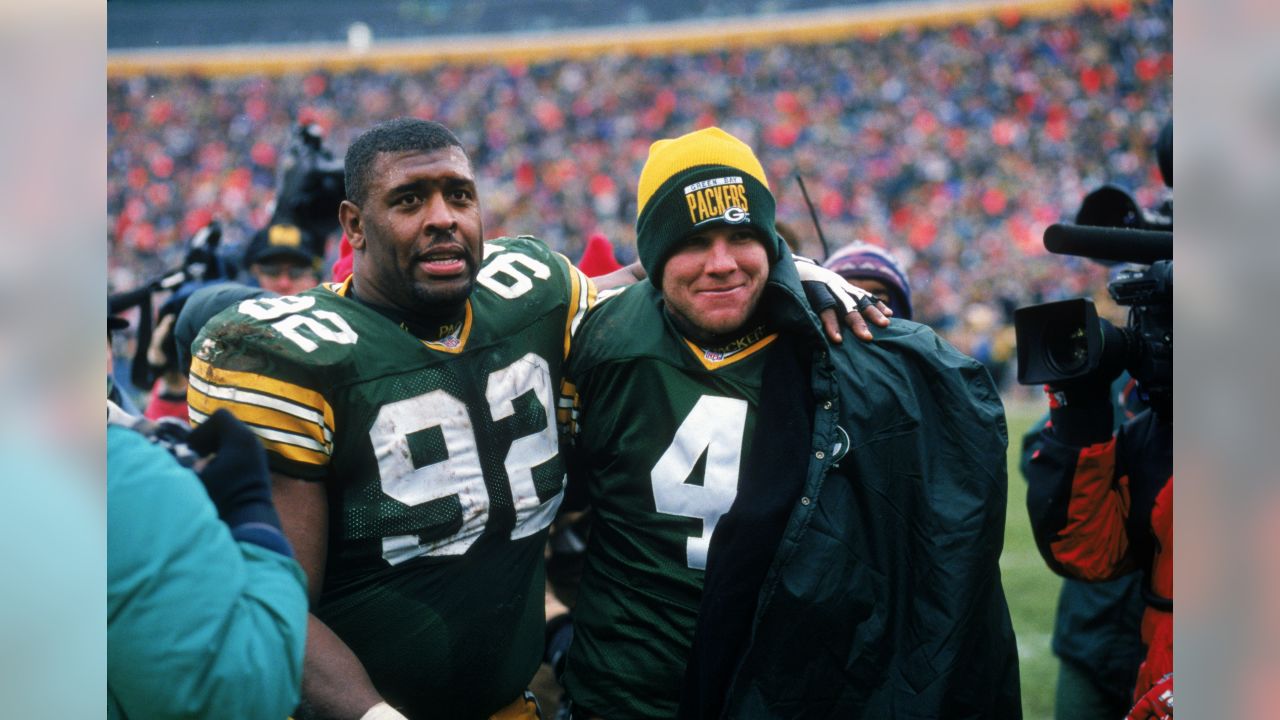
point(408, 414)
point(813, 530)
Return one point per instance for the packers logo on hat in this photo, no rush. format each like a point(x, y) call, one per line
point(718, 199)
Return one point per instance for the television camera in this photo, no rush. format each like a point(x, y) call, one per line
point(1064, 343)
point(311, 183)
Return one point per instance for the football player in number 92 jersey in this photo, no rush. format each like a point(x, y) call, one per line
point(408, 413)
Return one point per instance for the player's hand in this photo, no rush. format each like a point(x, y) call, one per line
point(856, 303)
point(237, 478)
point(1156, 703)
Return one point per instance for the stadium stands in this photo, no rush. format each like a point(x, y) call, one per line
point(954, 145)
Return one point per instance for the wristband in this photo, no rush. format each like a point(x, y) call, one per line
point(382, 711)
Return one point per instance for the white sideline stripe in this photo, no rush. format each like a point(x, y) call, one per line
point(247, 397)
point(279, 436)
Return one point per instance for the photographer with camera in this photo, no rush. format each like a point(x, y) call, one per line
point(285, 257)
point(1101, 502)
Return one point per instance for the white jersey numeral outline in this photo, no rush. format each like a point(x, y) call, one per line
point(716, 426)
point(460, 474)
point(327, 325)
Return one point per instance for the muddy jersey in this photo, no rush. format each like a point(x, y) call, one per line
point(440, 460)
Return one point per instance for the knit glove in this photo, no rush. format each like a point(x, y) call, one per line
point(238, 480)
point(850, 297)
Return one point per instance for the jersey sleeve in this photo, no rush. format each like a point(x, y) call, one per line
point(579, 295)
point(276, 394)
point(582, 297)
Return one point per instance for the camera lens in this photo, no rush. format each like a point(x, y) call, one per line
point(1067, 352)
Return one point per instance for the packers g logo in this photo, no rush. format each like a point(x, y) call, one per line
point(736, 215)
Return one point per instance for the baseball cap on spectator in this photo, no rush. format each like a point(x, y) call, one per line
point(598, 258)
point(282, 241)
point(859, 260)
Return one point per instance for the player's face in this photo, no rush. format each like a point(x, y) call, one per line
point(714, 281)
point(418, 236)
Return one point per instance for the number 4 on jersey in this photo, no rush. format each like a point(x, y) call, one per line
point(715, 427)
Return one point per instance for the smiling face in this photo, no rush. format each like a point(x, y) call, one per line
point(417, 236)
point(714, 280)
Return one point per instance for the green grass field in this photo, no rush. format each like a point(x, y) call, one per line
point(1031, 589)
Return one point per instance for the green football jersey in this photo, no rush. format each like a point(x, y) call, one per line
point(662, 429)
point(440, 460)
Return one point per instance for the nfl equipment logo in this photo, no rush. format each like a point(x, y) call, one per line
point(712, 356)
point(451, 341)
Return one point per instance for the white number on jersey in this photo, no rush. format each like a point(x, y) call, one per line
point(517, 283)
point(324, 324)
point(716, 425)
point(460, 474)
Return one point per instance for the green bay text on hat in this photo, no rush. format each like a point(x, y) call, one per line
point(696, 182)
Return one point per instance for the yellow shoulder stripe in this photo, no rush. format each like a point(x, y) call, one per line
point(311, 399)
point(308, 429)
point(582, 295)
point(278, 443)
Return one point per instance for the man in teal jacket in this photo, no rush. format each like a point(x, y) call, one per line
point(206, 608)
point(814, 530)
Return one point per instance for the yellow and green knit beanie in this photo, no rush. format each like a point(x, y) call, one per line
point(695, 182)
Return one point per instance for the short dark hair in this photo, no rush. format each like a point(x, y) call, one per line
point(396, 135)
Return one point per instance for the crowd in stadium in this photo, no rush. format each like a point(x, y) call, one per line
point(954, 147)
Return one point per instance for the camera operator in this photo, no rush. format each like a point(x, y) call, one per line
point(1101, 504)
point(154, 367)
point(285, 257)
point(1097, 626)
point(1101, 501)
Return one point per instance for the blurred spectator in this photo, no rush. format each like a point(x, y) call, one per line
point(115, 393)
point(168, 396)
point(342, 266)
point(877, 271)
point(284, 259)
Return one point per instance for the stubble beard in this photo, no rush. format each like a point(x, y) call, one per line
point(437, 302)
